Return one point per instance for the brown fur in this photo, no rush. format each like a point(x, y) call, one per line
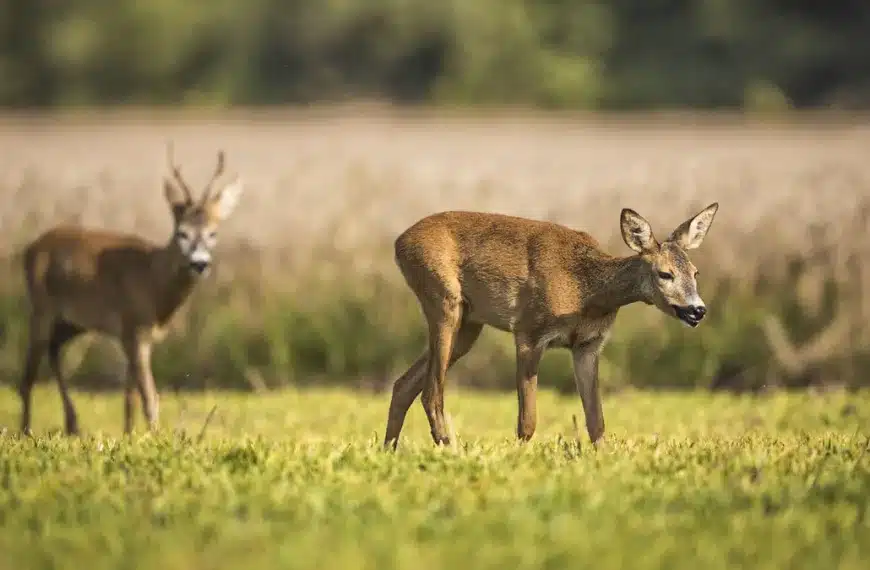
point(89, 280)
point(549, 285)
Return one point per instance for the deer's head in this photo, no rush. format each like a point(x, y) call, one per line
point(670, 279)
point(196, 221)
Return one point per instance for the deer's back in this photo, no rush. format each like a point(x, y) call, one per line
point(86, 275)
point(501, 265)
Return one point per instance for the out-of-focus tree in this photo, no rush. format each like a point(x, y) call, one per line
point(552, 53)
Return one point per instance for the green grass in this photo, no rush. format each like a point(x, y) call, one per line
point(297, 480)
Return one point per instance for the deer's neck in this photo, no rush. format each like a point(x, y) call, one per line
point(620, 282)
point(172, 282)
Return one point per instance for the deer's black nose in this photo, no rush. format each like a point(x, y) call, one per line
point(199, 266)
point(691, 314)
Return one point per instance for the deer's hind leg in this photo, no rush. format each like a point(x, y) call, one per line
point(444, 317)
point(405, 391)
point(410, 384)
point(429, 261)
point(38, 336)
point(62, 332)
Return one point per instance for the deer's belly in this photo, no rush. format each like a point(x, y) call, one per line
point(495, 303)
point(92, 317)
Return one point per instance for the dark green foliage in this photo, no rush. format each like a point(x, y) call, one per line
point(551, 53)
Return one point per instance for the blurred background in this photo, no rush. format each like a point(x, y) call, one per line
point(590, 54)
point(351, 119)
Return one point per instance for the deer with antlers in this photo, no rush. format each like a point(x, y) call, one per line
point(88, 280)
point(549, 285)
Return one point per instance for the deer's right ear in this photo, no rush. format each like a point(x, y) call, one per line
point(691, 233)
point(176, 198)
point(226, 200)
point(636, 232)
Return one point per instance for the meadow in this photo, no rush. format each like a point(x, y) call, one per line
point(297, 479)
point(275, 380)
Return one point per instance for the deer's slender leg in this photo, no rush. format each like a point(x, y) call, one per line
point(410, 384)
point(36, 344)
point(528, 358)
point(63, 332)
point(586, 377)
point(130, 385)
point(405, 391)
point(442, 330)
point(138, 354)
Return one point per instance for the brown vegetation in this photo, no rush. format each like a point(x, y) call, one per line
point(307, 288)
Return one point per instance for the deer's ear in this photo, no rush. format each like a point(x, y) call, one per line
point(636, 232)
point(690, 233)
point(226, 200)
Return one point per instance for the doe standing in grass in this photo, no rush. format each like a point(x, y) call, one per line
point(120, 285)
point(549, 285)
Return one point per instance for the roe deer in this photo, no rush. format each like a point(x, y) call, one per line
point(549, 285)
point(81, 280)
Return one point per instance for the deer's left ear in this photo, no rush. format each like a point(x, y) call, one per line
point(636, 232)
point(690, 233)
point(225, 201)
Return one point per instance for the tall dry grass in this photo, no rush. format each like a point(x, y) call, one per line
point(306, 290)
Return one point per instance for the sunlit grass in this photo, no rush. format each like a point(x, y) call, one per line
point(297, 479)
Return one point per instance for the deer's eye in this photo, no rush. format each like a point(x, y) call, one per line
point(665, 275)
point(182, 235)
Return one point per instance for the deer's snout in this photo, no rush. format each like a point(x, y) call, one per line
point(199, 266)
point(690, 314)
point(200, 260)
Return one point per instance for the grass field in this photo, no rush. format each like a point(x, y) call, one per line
point(306, 295)
point(297, 480)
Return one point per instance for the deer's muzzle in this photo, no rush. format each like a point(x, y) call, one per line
point(692, 315)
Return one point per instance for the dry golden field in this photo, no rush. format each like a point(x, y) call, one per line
point(307, 286)
point(373, 173)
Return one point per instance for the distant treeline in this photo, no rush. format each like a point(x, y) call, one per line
point(592, 54)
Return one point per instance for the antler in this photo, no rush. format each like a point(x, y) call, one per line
point(219, 170)
point(176, 171)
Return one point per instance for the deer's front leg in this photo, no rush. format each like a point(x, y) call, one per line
point(528, 359)
point(138, 354)
point(586, 379)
